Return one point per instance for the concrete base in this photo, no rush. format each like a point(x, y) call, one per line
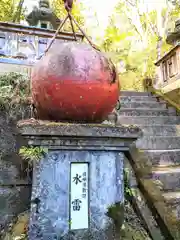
point(51, 184)
point(102, 147)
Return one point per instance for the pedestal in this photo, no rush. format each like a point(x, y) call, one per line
point(78, 186)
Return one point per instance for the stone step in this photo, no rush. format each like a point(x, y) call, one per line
point(168, 176)
point(161, 130)
point(159, 143)
point(137, 98)
point(143, 112)
point(145, 120)
point(133, 93)
point(172, 111)
point(173, 200)
point(164, 158)
point(143, 104)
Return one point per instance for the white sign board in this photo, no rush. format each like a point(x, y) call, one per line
point(79, 200)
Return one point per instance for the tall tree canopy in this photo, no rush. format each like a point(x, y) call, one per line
point(10, 8)
point(136, 37)
point(58, 6)
point(7, 10)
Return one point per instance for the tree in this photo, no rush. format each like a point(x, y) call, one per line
point(10, 9)
point(18, 14)
point(144, 33)
point(6, 10)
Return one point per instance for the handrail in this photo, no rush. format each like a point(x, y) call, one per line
point(166, 220)
point(152, 90)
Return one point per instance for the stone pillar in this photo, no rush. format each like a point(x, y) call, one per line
point(78, 190)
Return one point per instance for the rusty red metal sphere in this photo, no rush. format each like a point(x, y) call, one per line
point(74, 82)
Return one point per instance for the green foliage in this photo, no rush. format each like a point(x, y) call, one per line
point(14, 91)
point(132, 37)
point(129, 192)
point(8, 9)
point(13, 83)
point(31, 154)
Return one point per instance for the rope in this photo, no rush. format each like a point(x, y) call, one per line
point(56, 33)
point(72, 26)
point(71, 19)
point(82, 31)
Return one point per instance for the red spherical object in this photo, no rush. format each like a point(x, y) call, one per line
point(74, 83)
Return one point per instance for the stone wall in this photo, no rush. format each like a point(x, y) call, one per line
point(14, 187)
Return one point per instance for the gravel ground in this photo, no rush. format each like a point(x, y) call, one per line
point(133, 229)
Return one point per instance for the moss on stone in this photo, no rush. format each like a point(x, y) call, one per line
point(14, 95)
point(18, 228)
point(132, 228)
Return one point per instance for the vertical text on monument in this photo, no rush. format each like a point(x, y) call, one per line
point(79, 218)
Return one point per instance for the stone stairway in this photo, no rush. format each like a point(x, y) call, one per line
point(160, 141)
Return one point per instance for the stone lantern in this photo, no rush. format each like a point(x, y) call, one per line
point(43, 16)
point(173, 38)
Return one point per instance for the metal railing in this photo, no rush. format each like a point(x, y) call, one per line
point(25, 44)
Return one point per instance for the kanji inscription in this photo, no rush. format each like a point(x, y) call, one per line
point(79, 218)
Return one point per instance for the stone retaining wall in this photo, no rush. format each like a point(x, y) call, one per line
point(14, 188)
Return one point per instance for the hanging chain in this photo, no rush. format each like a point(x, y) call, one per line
point(68, 7)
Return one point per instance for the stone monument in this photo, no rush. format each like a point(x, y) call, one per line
point(78, 185)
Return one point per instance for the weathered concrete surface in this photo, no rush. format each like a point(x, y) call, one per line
point(51, 183)
point(174, 96)
point(42, 128)
point(164, 157)
point(102, 147)
point(141, 104)
point(160, 141)
point(148, 120)
point(134, 94)
point(13, 200)
point(143, 111)
point(14, 194)
point(173, 199)
point(169, 177)
point(137, 98)
point(161, 130)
